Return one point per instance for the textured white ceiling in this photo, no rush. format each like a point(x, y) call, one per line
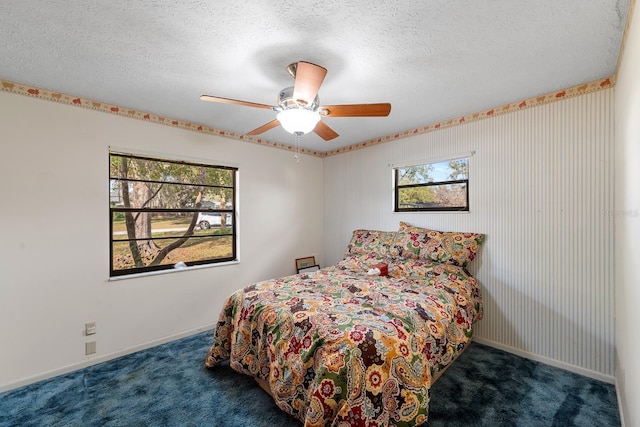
point(432, 60)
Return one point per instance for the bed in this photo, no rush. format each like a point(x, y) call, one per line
point(340, 347)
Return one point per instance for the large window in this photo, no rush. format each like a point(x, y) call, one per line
point(165, 212)
point(439, 186)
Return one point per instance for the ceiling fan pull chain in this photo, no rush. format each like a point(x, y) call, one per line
point(297, 155)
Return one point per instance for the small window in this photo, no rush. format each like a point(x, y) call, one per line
point(165, 212)
point(440, 186)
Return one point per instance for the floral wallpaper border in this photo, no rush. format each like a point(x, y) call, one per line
point(62, 98)
point(504, 109)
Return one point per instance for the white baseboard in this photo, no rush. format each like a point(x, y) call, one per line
point(547, 361)
point(100, 359)
point(620, 407)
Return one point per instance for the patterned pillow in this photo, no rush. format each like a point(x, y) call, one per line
point(366, 241)
point(445, 247)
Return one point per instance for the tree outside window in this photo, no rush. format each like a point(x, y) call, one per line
point(440, 186)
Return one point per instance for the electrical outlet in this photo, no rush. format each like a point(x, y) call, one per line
point(89, 347)
point(90, 328)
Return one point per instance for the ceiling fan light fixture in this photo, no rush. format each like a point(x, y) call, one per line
point(298, 120)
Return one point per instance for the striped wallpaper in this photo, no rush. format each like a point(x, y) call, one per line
point(541, 188)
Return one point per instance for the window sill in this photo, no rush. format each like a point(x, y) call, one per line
point(431, 212)
point(174, 270)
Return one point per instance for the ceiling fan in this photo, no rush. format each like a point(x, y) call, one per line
point(299, 110)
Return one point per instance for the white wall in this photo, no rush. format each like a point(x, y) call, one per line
point(54, 256)
point(627, 224)
point(541, 189)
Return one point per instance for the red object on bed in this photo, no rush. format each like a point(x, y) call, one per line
point(384, 269)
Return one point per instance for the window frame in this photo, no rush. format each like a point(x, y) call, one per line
point(222, 210)
point(397, 187)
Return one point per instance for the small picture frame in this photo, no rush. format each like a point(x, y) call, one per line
point(305, 262)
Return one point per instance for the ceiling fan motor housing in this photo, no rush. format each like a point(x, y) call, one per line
point(286, 101)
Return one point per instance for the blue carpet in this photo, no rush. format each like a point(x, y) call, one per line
point(168, 385)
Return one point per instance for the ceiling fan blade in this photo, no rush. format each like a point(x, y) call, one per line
point(324, 131)
point(356, 110)
point(235, 101)
point(264, 128)
point(309, 77)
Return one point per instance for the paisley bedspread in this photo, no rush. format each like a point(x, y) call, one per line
point(341, 348)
